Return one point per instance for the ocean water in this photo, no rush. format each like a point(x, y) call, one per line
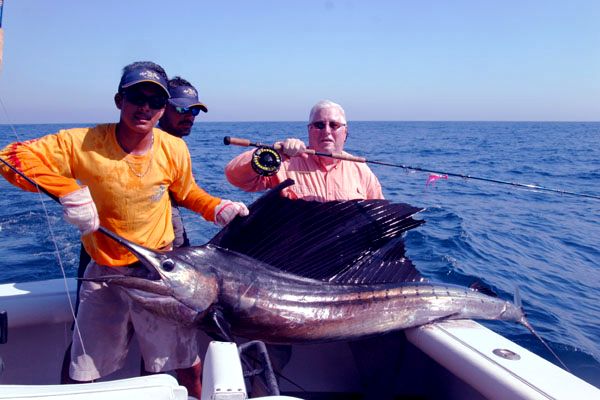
point(545, 244)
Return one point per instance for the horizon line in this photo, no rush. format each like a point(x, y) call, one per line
point(304, 121)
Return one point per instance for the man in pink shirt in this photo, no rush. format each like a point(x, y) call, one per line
point(327, 179)
point(317, 178)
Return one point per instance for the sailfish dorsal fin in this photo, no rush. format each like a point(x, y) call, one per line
point(350, 242)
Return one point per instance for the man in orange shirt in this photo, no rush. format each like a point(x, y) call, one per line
point(120, 176)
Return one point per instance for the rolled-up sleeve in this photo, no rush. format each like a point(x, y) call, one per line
point(47, 161)
point(239, 173)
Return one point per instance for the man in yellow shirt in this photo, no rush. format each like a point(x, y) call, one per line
point(120, 176)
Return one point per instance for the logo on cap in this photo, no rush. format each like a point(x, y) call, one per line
point(150, 75)
point(190, 91)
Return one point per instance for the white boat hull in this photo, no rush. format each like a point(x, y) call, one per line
point(448, 360)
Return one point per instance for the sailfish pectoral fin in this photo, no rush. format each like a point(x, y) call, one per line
point(164, 306)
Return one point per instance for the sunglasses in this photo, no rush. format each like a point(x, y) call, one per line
point(320, 125)
point(139, 99)
point(183, 110)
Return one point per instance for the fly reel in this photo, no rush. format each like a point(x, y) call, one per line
point(265, 161)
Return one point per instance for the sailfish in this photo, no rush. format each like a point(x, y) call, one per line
point(297, 271)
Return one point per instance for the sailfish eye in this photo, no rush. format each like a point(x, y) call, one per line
point(168, 265)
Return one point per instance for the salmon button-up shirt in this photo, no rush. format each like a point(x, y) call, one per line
point(314, 180)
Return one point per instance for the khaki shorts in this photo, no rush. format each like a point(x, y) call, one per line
point(108, 319)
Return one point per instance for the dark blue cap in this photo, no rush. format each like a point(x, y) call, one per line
point(140, 75)
point(186, 97)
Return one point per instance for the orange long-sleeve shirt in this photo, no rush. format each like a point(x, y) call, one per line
point(131, 192)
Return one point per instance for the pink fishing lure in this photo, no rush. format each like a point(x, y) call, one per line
point(433, 178)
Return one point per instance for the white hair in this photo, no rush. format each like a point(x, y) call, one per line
point(325, 104)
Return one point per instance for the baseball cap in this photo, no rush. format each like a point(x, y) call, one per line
point(143, 74)
point(186, 97)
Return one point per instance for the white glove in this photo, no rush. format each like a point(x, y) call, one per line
point(227, 210)
point(292, 147)
point(79, 209)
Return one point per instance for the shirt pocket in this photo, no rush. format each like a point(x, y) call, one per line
point(301, 190)
point(351, 193)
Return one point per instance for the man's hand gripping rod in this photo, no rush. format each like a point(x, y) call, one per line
point(246, 143)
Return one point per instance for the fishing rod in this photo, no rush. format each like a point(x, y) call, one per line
point(267, 162)
point(1, 32)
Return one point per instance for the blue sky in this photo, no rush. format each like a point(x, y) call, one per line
point(259, 60)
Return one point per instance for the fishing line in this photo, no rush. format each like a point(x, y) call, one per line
point(245, 358)
point(523, 321)
point(52, 235)
point(340, 156)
